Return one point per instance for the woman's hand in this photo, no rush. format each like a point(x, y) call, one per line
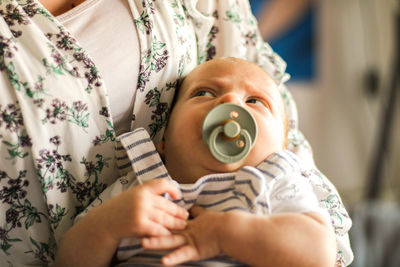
point(143, 211)
point(137, 212)
point(286, 239)
point(198, 241)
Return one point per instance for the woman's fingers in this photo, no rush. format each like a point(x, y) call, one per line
point(171, 208)
point(155, 229)
point(159, 187)
point(162, 186)
point(167, 220)
point(152, 206)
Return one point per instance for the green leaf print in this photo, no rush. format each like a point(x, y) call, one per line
point(233, 15)
point(16, 150)
point(143, 23)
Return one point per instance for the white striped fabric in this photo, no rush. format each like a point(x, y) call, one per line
point(276, 185)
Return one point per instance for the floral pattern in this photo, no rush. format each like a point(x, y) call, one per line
point(56, 132)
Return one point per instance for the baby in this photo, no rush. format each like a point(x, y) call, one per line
point(268, 181)
point(227, 80)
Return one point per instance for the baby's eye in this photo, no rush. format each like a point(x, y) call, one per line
point(256, 101)
point(203, 93)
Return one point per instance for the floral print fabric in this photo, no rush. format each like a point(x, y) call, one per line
point(56, 133)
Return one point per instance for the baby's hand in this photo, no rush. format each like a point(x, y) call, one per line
point(198, 241)
point(143, 211)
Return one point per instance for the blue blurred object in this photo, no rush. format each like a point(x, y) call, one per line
point(256, 6)
point(296, 45)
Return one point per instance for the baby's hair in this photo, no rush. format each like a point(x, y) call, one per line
point(179, 83)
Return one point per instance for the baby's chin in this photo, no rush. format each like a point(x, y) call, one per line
point(219, 167)
point(211, 168)
point(225, 167)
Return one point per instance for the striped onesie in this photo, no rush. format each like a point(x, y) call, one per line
point(276, 185)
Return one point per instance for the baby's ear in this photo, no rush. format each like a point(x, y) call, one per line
point(160, 148)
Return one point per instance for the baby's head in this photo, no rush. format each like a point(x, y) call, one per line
point(218, 81)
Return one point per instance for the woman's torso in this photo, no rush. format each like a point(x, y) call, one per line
point(56, 100)
point(113, 46)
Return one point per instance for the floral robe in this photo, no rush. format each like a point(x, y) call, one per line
point(56, 132)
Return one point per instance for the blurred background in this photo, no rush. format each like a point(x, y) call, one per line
point(343, 56)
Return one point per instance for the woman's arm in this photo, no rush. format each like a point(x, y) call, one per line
point(287, 239)
point(88, 243)
point(139, 211)
point(279, 240)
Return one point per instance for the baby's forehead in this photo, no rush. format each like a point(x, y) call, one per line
point(240, 64)
point(221, 68)
point(225, 64)
point(233, 61)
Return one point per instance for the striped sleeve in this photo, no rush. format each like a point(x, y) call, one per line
point(289, 190)
point(136, 152)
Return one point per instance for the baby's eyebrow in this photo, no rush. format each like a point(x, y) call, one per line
point(219, 81)
point(265, 90)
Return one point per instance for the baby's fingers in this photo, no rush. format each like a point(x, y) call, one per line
point(163, 242)
point(180, 255)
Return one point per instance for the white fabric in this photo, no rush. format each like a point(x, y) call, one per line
point(114, 47)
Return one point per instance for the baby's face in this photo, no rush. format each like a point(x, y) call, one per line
point(227, 80)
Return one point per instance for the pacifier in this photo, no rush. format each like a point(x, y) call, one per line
point(230, 132)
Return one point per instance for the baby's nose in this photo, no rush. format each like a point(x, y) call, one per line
point(230, 98)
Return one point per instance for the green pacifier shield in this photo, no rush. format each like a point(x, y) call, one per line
point(229, 131)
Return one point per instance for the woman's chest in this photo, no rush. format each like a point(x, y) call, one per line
point(58, 7)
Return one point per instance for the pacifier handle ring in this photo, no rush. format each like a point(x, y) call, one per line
point(221, 156)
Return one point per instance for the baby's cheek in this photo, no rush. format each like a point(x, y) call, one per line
point(268, 144)
point(258, 154)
